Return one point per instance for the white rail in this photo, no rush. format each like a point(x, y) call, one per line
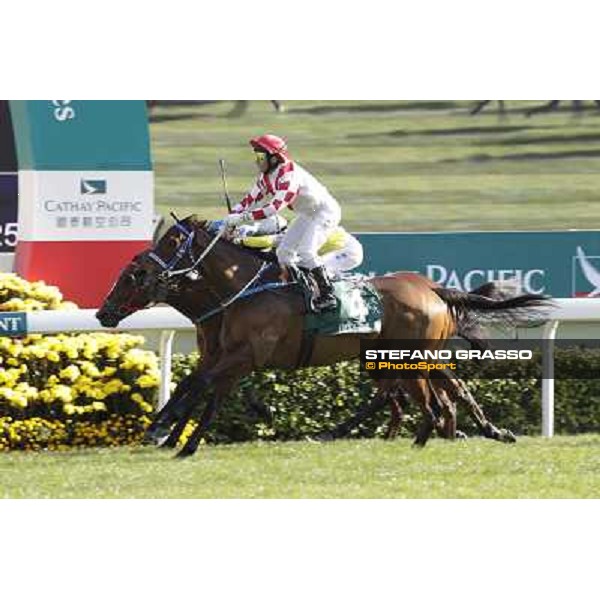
point(169, 321)
point(164, 319)
point(567, 310)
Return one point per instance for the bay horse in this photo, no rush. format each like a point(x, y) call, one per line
point(447, 387)
point(238, 332)
point(448, 390)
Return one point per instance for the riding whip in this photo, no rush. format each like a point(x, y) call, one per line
point(222, 169)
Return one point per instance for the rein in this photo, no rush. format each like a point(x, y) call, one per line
point(185, 249)
point(243, 293)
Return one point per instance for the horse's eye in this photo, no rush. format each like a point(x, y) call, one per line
point(139, 277)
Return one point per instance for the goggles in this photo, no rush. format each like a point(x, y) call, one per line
point(260, 156)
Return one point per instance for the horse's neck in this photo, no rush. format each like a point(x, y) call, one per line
point(187, 309)
point(230, 268)
point(193, 301)
point(226, 270)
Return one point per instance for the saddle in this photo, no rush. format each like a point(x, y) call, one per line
point(359, 308)
point(300, 278)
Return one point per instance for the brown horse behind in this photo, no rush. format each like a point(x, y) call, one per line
point(447, 388)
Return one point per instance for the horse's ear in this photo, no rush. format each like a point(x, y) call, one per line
point(196, 222)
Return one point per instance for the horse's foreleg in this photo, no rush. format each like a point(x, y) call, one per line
point(222, 389)
point(206, 419)
point(187, 411)
point(173, 438)
point(224, 376)
point(170, 412)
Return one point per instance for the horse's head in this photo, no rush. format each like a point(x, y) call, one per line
point(137, 287)
point(153, 274)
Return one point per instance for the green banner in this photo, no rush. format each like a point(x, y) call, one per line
point(563, 264)
point(13, 324)
point(87, 135)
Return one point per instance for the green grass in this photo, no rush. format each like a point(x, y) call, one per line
point(405, 166)
point(564, 467)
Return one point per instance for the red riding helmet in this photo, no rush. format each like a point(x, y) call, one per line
point(272, 144)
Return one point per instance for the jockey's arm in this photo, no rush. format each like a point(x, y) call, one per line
point(286, 191)
point(252, 197)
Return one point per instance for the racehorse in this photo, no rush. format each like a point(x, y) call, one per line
point(448, 389)
point(238, 332)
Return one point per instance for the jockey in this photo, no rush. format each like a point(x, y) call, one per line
point(290, 185)
point(341, 251)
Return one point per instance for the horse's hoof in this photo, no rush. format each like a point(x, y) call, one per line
point(183, 453)
point(508, 437)
point(154, 440)
point(166, 445)
point(150, 440)
point(155, 435)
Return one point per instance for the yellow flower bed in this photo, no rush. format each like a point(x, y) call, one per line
point(44, 434)
point(17, 294)
point(54, 384)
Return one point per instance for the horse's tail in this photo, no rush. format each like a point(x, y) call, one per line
point(468, 328)
point(469, 309)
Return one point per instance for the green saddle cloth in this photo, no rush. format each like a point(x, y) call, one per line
point(359, 310)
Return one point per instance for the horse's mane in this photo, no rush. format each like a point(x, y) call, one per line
point(197, 223)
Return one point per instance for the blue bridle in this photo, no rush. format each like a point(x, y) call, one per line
point(184, 249)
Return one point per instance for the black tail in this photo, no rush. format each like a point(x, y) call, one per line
point(472, 331)
point(472, 309)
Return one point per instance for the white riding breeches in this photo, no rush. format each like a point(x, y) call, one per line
point(304, 237)
point(346, 258)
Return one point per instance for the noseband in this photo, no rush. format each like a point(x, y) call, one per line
point(185, 249)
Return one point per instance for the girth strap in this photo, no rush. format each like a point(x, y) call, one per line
point(307, 346)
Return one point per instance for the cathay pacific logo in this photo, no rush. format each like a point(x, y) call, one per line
point(586, 275)
point(89, 187)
